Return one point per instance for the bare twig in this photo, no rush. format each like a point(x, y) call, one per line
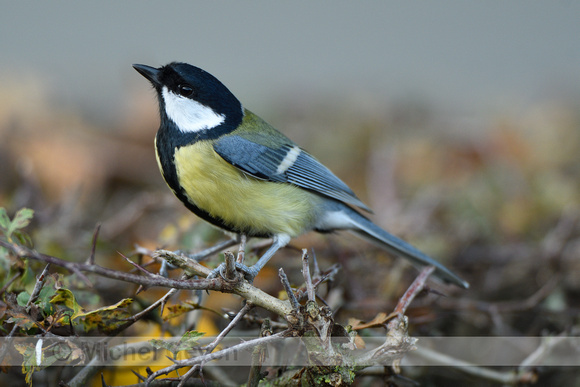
point(230, 266)
point(398, 342)
point(416, 287)
point(136, 266)
point(35, 292)
point(258, 320)
point(154, 280)
point(328, 275)
point(288, 289)
point(257, 356)
point(184, 262)
point(202, 255)
point(315, 265)
point(14, 277)
point(186, 376)
point(137, 316)
point(242, 249)
point(38, 287)
point(543, 350)
point(505, 306)
point(211, 346)
point(91, 260)
point(245, 290)
point(128, 215)
point(505, 378)
point(139, 376)
point(555, 241)
point(306, 275)
point(246, 345)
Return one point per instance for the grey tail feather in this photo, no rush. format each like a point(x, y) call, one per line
point(374, 233)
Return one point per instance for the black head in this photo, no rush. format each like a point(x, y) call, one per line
point(191, 98)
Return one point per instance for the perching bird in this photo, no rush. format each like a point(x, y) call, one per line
point(237, 172)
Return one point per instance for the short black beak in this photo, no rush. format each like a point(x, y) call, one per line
point(151, 73)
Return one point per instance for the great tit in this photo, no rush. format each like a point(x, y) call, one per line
point(234, 170)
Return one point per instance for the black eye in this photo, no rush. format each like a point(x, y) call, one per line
point(185, 90)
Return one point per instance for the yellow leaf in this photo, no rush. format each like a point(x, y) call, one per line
point(67, 299)
point(108, 318)
point(379, 320)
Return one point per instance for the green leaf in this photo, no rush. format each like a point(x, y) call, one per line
point(163, 344)
point(23, 298)
point(177, 310)
point(4, 219)
point(23, 320)
point(187, 342)
point(66, 298)
point(29, 366)
point(22, 218)
point(108, 318)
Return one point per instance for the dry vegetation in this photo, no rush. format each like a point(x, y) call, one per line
point(496, 200)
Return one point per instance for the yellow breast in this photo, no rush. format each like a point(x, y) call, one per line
point(244, 203)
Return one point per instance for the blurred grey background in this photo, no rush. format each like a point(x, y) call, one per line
point(473, 58)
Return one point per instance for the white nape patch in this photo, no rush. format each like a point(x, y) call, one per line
point(289, 159)
point(189, 115)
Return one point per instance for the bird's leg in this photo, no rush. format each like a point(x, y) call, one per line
point(279, 241)
point(214, 249)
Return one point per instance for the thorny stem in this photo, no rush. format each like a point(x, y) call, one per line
point(288, 289)
point(306, 275)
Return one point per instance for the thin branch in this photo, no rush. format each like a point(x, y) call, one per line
point(328, 275)
point(246, 345)
point(505, 306)
point(136, 317)
point(136, 266)
point(315, 265)
point(38, 286)
point(546, 346)
point(184, 262)
point(211, 346)
point(230, 266)
point(306, 275)
point(186, 376)
point(155, 280)
point(257, 356)
point(14, 277)
point(242, 249)
point(35, 292)
point(91, 260)
point(398, 342)
point(198, 257)
point(242, 288)
point(288, 289)
point(504, 378)
point(416, 287)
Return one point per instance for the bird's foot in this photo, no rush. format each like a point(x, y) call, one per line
point(249, 273)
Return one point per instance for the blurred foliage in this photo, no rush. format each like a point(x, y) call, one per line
point(494, 198)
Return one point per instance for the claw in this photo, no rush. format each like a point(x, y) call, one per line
point(165, 267)
point(217, 271)
point(249, 272)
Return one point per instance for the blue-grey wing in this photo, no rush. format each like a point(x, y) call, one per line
point(286, 163)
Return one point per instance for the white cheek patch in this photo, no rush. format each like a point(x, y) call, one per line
point(190, 115)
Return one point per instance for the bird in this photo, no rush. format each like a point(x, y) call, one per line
point(234, 170)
